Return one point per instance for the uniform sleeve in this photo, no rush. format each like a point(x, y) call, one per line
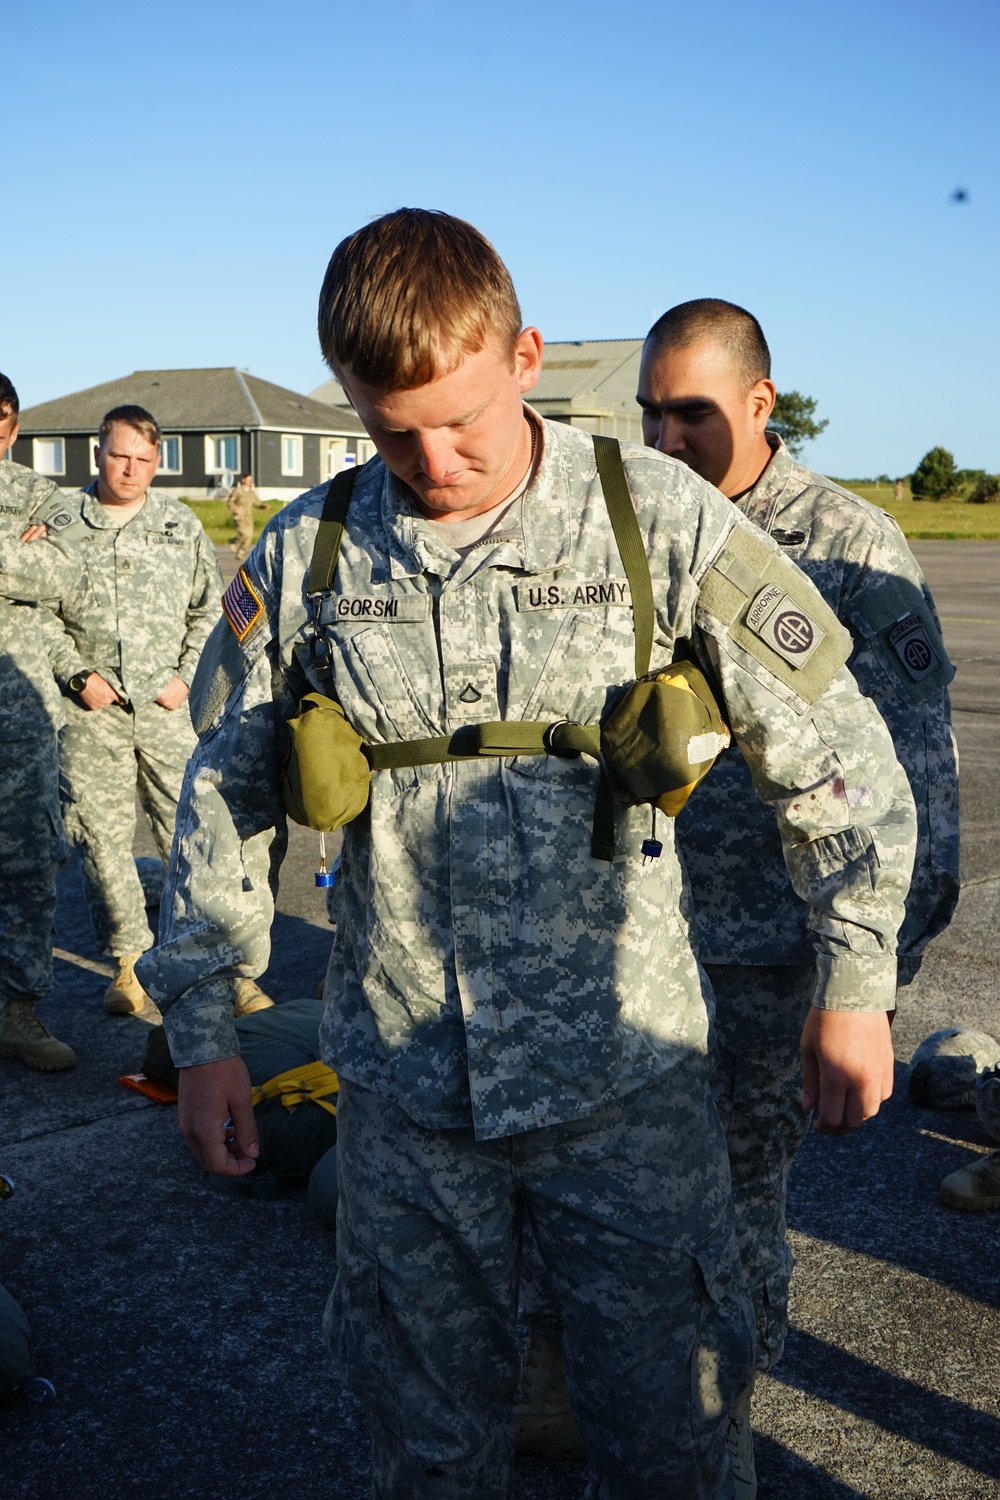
point(230, 836)
point(820, 755)
point(35, 571)
point(900, 662)
point(203, 611)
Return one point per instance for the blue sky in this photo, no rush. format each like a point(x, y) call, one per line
point(178, 176)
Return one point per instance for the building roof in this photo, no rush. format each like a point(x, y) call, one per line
point(589, 372)
point(192, 400)
point(332, 392)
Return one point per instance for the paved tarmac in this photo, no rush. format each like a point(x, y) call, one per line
point(181, 1327)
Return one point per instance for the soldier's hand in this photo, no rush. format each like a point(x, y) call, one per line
point(847, 1067)
point(173, 694)
point(34, 531)
point(97, 693)
point(216, 1116)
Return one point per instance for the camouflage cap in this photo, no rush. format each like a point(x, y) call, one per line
point(944, 1068)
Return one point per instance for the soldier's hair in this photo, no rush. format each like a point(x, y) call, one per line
point(733, 327)
point(407, 297)
point(132, 416)
point(9, 404)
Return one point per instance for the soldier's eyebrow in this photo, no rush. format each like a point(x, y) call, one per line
point(686, 406)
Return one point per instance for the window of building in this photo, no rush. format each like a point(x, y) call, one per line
point(366, 451)
point(170, 455)
point(291, 454)
point(222, 454)
point(48, 455)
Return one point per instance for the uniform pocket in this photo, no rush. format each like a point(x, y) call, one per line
point(354, 1332)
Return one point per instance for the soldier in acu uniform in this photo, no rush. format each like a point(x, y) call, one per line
point(520, 1029)
point(706, 396)
point(32, 846)
point(133, 625)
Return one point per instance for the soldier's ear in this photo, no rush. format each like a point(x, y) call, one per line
point(762, 396)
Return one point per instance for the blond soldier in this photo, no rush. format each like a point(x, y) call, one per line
point(520, 1028)
point(133, 625)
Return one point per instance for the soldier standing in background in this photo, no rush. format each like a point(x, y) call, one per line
point(242, 500)
point(32, 846)
point(706, 397)
point(133, 625)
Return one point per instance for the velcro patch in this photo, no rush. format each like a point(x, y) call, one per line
point(596, 593)
point(784, 626)
point(911, 643)
point(242, 605)
point(407, 610)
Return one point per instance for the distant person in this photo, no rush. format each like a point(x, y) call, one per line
point(132, 629)
point(242, 500)
point(897, 493)
point(32, 846)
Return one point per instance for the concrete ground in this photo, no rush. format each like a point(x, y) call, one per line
point(182, 1327)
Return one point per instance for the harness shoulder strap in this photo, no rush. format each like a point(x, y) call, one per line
point(331, 528)
point(630, 545)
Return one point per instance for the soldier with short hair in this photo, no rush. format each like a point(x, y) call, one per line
point(519, 1023)
point(132, 627)
point(706, 395)
point(32, 846)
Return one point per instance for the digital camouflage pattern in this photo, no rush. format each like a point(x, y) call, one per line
point(488, 976)
point(139, 611)
point(32, 846)
point(859, 561)
point(755, 933)
point(484, 961)
point(630, 1212)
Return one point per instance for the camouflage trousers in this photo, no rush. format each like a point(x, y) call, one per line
point(105, 757)
point(756, 1085)
point(244, 538)
point(32, 848)
point(630, 1212)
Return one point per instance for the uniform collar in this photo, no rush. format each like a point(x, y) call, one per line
point(760, 504)
point(149, 518)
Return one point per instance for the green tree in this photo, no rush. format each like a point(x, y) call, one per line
point(794, 420)
point(935, 476)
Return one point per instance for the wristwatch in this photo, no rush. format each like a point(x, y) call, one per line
point(78, 681)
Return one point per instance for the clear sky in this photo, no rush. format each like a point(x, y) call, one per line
point(177, 177)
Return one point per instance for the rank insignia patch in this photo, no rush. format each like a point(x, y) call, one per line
point(911, 643)
point(241, 605)
point(784, 625)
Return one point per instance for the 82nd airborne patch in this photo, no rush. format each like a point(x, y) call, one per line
point(784, 625)
point(911, 643)
point(242, 605)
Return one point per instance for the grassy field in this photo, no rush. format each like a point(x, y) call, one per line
point(919, 519)
point(926, 519)
point(214, 516)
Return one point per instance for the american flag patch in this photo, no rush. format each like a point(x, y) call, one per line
point(241, 605)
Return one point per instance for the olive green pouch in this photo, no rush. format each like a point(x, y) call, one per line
point(664, 736)
point(325, 777)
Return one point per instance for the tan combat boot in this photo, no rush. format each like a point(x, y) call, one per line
point(27, 1039)
point(739, 1441)
point(250, 997)
point(974, 1187)
point(543, 1422)
point(125, 996)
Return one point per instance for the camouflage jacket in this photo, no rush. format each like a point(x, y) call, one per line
point(487, 970)
point(859, 561)
point(30, 702)
point(144, 599)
